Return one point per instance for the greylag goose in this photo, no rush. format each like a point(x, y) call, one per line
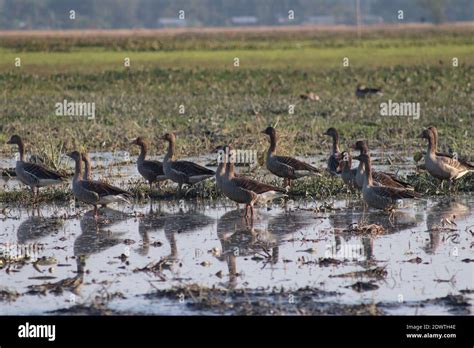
point(348, 174)
point(32, 174)
point(379, 178)
point(334, 158)
point(443, 154)
point(285, 167)
point(439, 166)
point(152, 171)
point(94, 192)
point(363, 91)
point(381, 197)
point(246, 191)
point(182, 172)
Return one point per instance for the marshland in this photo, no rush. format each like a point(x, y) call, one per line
point(315, 251)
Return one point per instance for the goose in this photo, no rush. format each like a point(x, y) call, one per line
point(379, 178)
point(88, 170)
point(94, 192)
point(363, 91)
point(348, 174)
point(285, 167)
point(381, 197)
point(244, 190)
point(334, 158)
point(439, 166)
point(152, 171)
point(32, 174)
point(182, 172)
point(443, 154)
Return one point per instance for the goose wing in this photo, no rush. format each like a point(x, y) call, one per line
point(454, 163)
point(394, 193)
point(296, 164)
point(255, 186)
point(191, 168)
point(155, 167)
point(104, 189)
point(460, 160)
point(389, 179)
point(41, 172)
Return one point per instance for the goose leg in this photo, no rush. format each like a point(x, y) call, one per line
point(96, 213)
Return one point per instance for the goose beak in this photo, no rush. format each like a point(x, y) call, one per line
point(357, 158)
point(69, 154)
point(133, 142)
point(353, 147)
point(421, 135)
point(263, 132)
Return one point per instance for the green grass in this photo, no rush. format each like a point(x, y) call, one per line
point(225, 104)
point(315, 59)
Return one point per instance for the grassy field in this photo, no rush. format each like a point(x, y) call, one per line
point(224, 103)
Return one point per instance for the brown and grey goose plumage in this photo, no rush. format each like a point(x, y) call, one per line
point(244, 190)
point(285, 167)
point(439, 166)
point(348, 174)
point(94, 192)
point(379, 178)
point(32, 174)
point(381, 197)
point(334, 158)
point(182, 172)
point(152, 171)
point(444, 154)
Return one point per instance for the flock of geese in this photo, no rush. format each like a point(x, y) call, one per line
point(380, 190)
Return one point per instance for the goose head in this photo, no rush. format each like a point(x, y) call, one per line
point(75, 155)
point(15, 140)
point(140, 141)
point(169, 137)
point(331, 132)
point(345, 161)
point(361, 146)
point(270, 131)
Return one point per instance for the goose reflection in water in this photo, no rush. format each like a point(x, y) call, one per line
point(37, 227)
point(239, 239)
point(441, 218)
point(153, 221)
point(181, 223)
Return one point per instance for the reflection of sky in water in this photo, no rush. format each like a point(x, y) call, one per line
point(281, 242)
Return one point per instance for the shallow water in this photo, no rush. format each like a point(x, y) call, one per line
point(210, 244)
point(280, 250)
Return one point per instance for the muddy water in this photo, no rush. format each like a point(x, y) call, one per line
point(210, 244)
